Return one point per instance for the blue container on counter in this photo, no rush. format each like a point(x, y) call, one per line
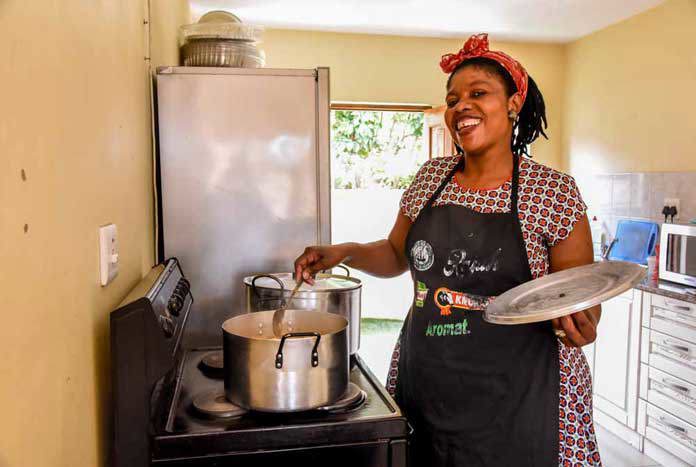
point(635, 241)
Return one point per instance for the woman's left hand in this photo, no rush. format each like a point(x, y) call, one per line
point(579, 328)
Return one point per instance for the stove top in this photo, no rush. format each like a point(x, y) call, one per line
point(169, 408)
point(211, 425)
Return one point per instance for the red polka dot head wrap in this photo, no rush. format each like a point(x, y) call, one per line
point(477, 46)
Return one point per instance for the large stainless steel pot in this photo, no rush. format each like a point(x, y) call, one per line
point(306, 368)
point(331, 293)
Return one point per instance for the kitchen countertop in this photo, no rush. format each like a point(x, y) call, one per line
point(664, 288)
point(668, 289)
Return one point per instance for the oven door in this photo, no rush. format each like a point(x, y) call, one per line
point(678, 253)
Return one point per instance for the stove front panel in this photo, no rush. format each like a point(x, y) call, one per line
point(383, 453)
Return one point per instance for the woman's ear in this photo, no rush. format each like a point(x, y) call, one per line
point(515, 103)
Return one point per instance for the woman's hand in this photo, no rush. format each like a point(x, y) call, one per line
point(577, 329)
point(318, 258)
point(383, 258)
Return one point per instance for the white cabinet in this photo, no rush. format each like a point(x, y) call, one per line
point(617, 360)
point(667, 408)
point(644, 374)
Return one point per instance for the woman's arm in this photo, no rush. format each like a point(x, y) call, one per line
point(383, 258)
point(576, 250)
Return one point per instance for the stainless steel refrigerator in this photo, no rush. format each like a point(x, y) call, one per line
point(242, 175)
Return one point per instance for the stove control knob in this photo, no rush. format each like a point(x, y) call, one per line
point(168, 326)
point(174, 305)
point(184, 286)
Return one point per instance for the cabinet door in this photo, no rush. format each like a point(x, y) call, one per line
point(440, 143)
point(617, 357)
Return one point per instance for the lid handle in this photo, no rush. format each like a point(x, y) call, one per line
point(345, 268)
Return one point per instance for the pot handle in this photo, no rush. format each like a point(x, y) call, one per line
point(270, 276)
point(315, 352)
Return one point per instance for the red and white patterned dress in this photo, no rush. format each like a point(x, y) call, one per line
point(549, 206)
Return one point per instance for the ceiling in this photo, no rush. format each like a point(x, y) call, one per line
point(515, 20)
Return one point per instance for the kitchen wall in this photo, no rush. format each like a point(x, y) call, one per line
point(638, 195)
point(629, 131)
point(372, 68)
point(76, 154)
point(166, 17)
point(629, 95)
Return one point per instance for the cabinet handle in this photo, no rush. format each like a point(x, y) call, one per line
point(672, 425)
point(677, 306)
point(675, 386)
point(671, 344)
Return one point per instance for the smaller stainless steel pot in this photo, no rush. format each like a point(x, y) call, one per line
point(331, 293)
point(305, 369)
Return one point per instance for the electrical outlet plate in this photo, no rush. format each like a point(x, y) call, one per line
point(108, 253)
point(674, 202)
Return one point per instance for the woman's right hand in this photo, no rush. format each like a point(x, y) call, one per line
point(318, 258)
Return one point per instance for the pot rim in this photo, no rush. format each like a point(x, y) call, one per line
point(277, 339)
point(357, 282)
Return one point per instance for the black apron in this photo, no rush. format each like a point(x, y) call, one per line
point(477, 394)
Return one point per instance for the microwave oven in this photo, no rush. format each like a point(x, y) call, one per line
point(678, 253)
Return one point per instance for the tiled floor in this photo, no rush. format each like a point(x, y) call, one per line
point(618, 453)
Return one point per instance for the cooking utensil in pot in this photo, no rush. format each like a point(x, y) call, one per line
point(563, 293)
point(280, 312)
point(331, 293)
point(304, 369)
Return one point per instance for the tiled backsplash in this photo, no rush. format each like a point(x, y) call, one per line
point(638, 195)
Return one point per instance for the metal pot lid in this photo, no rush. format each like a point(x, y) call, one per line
point(351, 399)
point(563, 293)
point(322, 283)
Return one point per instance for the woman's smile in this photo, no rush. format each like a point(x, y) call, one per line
point(466, 125)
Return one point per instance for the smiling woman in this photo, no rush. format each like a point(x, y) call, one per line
point(471, 227)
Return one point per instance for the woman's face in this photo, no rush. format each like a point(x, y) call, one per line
point(477, 110)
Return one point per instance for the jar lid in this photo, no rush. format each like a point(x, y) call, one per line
point(322, 282)
point(219, 16)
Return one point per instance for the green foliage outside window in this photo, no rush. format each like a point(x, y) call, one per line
point(375, 149)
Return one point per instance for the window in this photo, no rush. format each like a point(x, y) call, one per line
point(375, 153)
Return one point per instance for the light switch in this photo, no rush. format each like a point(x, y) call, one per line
point(108, 253)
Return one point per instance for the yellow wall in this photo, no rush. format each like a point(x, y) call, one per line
point(630, 101)
point(371, 68)
point(166, 17)
point(75, 117)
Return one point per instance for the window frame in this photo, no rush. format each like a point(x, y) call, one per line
point(379, 107)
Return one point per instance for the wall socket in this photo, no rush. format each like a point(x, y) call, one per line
point(674, 202)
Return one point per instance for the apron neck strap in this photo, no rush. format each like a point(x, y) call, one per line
point(460, 165)
point(515, 184)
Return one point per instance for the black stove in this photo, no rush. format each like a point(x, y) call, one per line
point(170, 410)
